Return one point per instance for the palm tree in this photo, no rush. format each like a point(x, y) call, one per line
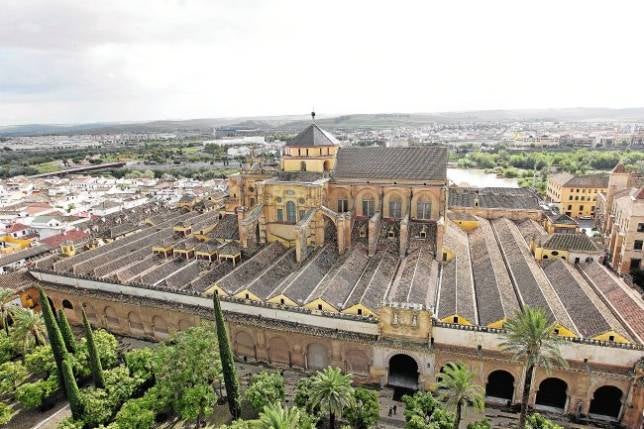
point(457, 384)
point(529, 336)
point(6, 309)
point(331, 392)
point(273, 416)
point(28, 325)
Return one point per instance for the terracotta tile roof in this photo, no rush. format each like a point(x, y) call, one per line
point(388, 163)
point(56, 240)
point(611, 289)
point(17, 280)
point(16, 227)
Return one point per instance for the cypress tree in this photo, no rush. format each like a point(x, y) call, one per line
point(94, 359)
point(227, 362)
point(71, 390)
point(66, 331)
point(53, 332)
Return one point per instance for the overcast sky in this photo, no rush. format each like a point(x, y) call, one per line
point(69, 61)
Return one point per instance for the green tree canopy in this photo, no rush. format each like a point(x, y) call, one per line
point(423, 411)
point(365, 410)
point(266, 387)
point(186, 366)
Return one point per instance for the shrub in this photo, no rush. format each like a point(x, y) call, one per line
point(139, 362)
point(135, 414)
point(6, 413)
point(480, 424)
point(70, 423)
point(32, 395)
point(40, 362)
point(97, 408)
point(537, 421)
point(120, 385)
point(6, 348)
point(11, 375)
point(106, 345)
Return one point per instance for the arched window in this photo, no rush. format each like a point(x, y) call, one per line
point(395, 207)
point(368, 206)
point(302, 166)
point(423, 209)
point(291, 215)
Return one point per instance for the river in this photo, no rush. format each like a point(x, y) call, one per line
point(479, 178)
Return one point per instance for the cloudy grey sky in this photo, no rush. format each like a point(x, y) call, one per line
point(67, 61)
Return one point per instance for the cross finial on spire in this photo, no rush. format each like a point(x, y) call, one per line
point(313, 114)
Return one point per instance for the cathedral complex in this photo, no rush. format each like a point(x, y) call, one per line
point(367, 260)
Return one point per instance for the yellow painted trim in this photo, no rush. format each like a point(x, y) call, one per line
point(313, 305)
point(461, 320)
point(252, 296)
point(287, 301)
point(617, 337)
point(564, 332)
point(211, 291)
point(366, 311)
point(498, 324)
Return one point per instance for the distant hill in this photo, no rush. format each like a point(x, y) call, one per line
point(297, 122)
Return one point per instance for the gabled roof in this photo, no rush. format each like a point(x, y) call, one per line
point(560, 218)
point(402, 163)
point(16, 227)
point(73, 235)
point(579, 242)
point(313, 136)
point(619, 168)
point(586, 181)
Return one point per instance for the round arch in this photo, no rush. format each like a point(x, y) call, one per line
point(90, 311)
point(291, 212)
point(366, 194)
point(395, 201)
point(134, 321)
point(326, 165)
point(606, 402)
point(317, 356)
point(356, 362)
point(500, 385)
point(552, 393)
point(184, 324)
point(403, 372)
point(160, 327)
point(110, 315)
point(278, 351)
point(244, 345)
point(424, 197)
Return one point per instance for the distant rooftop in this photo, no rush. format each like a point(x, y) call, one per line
point(586, 181)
